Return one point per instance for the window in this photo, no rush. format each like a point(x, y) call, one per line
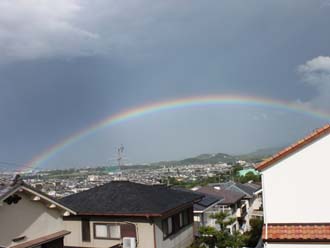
point(176, 222)
point(169, 225)
point(165, 228)
point(107, 231)
point(101, 231)
point(180, 219)
point(85, 230)
point(197, 218)
point(185, 217)
point(114, 231)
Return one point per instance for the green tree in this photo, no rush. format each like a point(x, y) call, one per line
point(223, 219)
point(208, 236)
point(220, 238)
point(253, 236)
point(250, 176)
point(236, 240)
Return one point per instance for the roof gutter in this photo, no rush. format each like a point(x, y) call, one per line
point(147, 215)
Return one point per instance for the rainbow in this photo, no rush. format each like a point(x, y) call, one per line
point(143, 110)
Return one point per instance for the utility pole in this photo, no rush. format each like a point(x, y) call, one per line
point(120, 152)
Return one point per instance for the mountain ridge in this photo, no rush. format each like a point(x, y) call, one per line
point(214, 158)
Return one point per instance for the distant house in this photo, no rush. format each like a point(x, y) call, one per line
point(30, 218)
point(296, 194)
point(134, 214)
point(203, 210)
point(229, 201)
point(243, 172)
point(251, 202)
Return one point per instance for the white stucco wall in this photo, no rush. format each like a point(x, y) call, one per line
point(144, 234)
point(296, 189)
point(27, 218)
point(184, 238)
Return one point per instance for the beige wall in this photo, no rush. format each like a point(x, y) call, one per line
point(145, 237)
point(27, 218)
point(145, 234)
point(184, 238)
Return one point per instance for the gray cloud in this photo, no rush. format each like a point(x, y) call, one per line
point(316, 73)
point(78, 61)
point(40, 29)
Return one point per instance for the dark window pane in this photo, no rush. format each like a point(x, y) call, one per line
point(176, 223)
point(85, 230)
point(165, 228)
point(190, 215)
point(185, 217)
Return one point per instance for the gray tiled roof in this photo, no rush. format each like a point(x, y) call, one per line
point(125, 198)
point(248, 189)
point(207, 201)
point(229, 196)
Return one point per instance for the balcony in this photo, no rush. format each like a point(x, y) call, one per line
point(257, 213)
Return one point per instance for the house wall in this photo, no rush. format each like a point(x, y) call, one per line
point(297, 245)
point(182, 239)
point(254, 204)
point(207, 220)
point(296, 189)
point(27, 218)
point(145, 233)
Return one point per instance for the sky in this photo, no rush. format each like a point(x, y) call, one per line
point(67, 64)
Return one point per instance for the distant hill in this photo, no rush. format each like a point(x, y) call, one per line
point(206, 158)
point(259, 155)
point(201, 159)
point(209, 159)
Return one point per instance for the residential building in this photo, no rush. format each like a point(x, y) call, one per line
point(203, 211)
point(231, 202)
point(295, 194)
point(251, 202)
point(242, 173)
point(148, 216)
point(29, 218)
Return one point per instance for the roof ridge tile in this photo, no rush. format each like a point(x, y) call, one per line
point(317, 133)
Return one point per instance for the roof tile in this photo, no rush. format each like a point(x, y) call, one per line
point(318, 133)
point(297, 232)
point(128, 199)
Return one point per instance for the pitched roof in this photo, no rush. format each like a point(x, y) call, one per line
point(18, 184)
point(6, 189)
point(207, 201)
point(39, 241)
point(229, 196)
point(123, 198)
point(247, 188)
point(256, 185)
point(317, 134)
point(314, 232)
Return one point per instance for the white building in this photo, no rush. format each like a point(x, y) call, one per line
point(296, 194)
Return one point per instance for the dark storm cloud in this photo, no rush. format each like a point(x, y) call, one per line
point(65, 64)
